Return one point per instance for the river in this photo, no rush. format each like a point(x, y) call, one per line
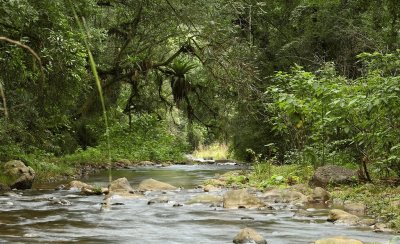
point(27, 217)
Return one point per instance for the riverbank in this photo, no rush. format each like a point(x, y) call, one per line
point(380, 201)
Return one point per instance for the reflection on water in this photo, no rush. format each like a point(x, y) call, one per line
point(29, 218)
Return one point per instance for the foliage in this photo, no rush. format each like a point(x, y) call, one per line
point(266, 174)
point(215, 151)
point(303, 82)
point(327, 119)
point(146, 139)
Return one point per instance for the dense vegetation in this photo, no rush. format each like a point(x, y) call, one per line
point(294, 82)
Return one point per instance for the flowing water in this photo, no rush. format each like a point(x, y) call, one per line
point(28, 217)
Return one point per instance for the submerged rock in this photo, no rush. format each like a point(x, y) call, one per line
point(155, 185)
point(340, 216)
point(241, 199)
point(56, 201)
point(248, 235)
point(163, 199)
point(338, 240)
point(206, 198)
point(333, 175)
point(19, 175)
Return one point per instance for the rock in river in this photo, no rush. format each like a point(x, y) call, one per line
point(248, 235)
point(121, 187)
point(19, 175)
point(337, 240)
point(154, 185)
point(241, 199)
point(319, 195)
point(78, 185)
point(206, 198)
point(340, 216)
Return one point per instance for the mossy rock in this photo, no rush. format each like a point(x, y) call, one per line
point(17, 175)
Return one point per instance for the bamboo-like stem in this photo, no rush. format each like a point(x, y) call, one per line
point(85, 32)
point(3, 96)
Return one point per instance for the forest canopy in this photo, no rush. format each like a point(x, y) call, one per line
point(300, 81)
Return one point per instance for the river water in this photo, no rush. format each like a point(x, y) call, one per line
point(27, 217)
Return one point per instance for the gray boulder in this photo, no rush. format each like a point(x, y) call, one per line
point(333, 175)
point(248, 235)
point(18, 175)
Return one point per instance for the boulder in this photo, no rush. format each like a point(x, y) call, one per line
point(91, 191)
point(122, 188)
point(19, 176)
point(241, 199)
point(284, 196)
point(79, 185)
point(248, 235)
point(155, 185)
point(338, 240)
point(333, 175)
point(121, 185)
point(340, 216)
point(319, 195)
point(206, 198)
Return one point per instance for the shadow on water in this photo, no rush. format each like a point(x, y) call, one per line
point(29, 218)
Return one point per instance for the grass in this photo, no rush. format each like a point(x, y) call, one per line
point(215, 151)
